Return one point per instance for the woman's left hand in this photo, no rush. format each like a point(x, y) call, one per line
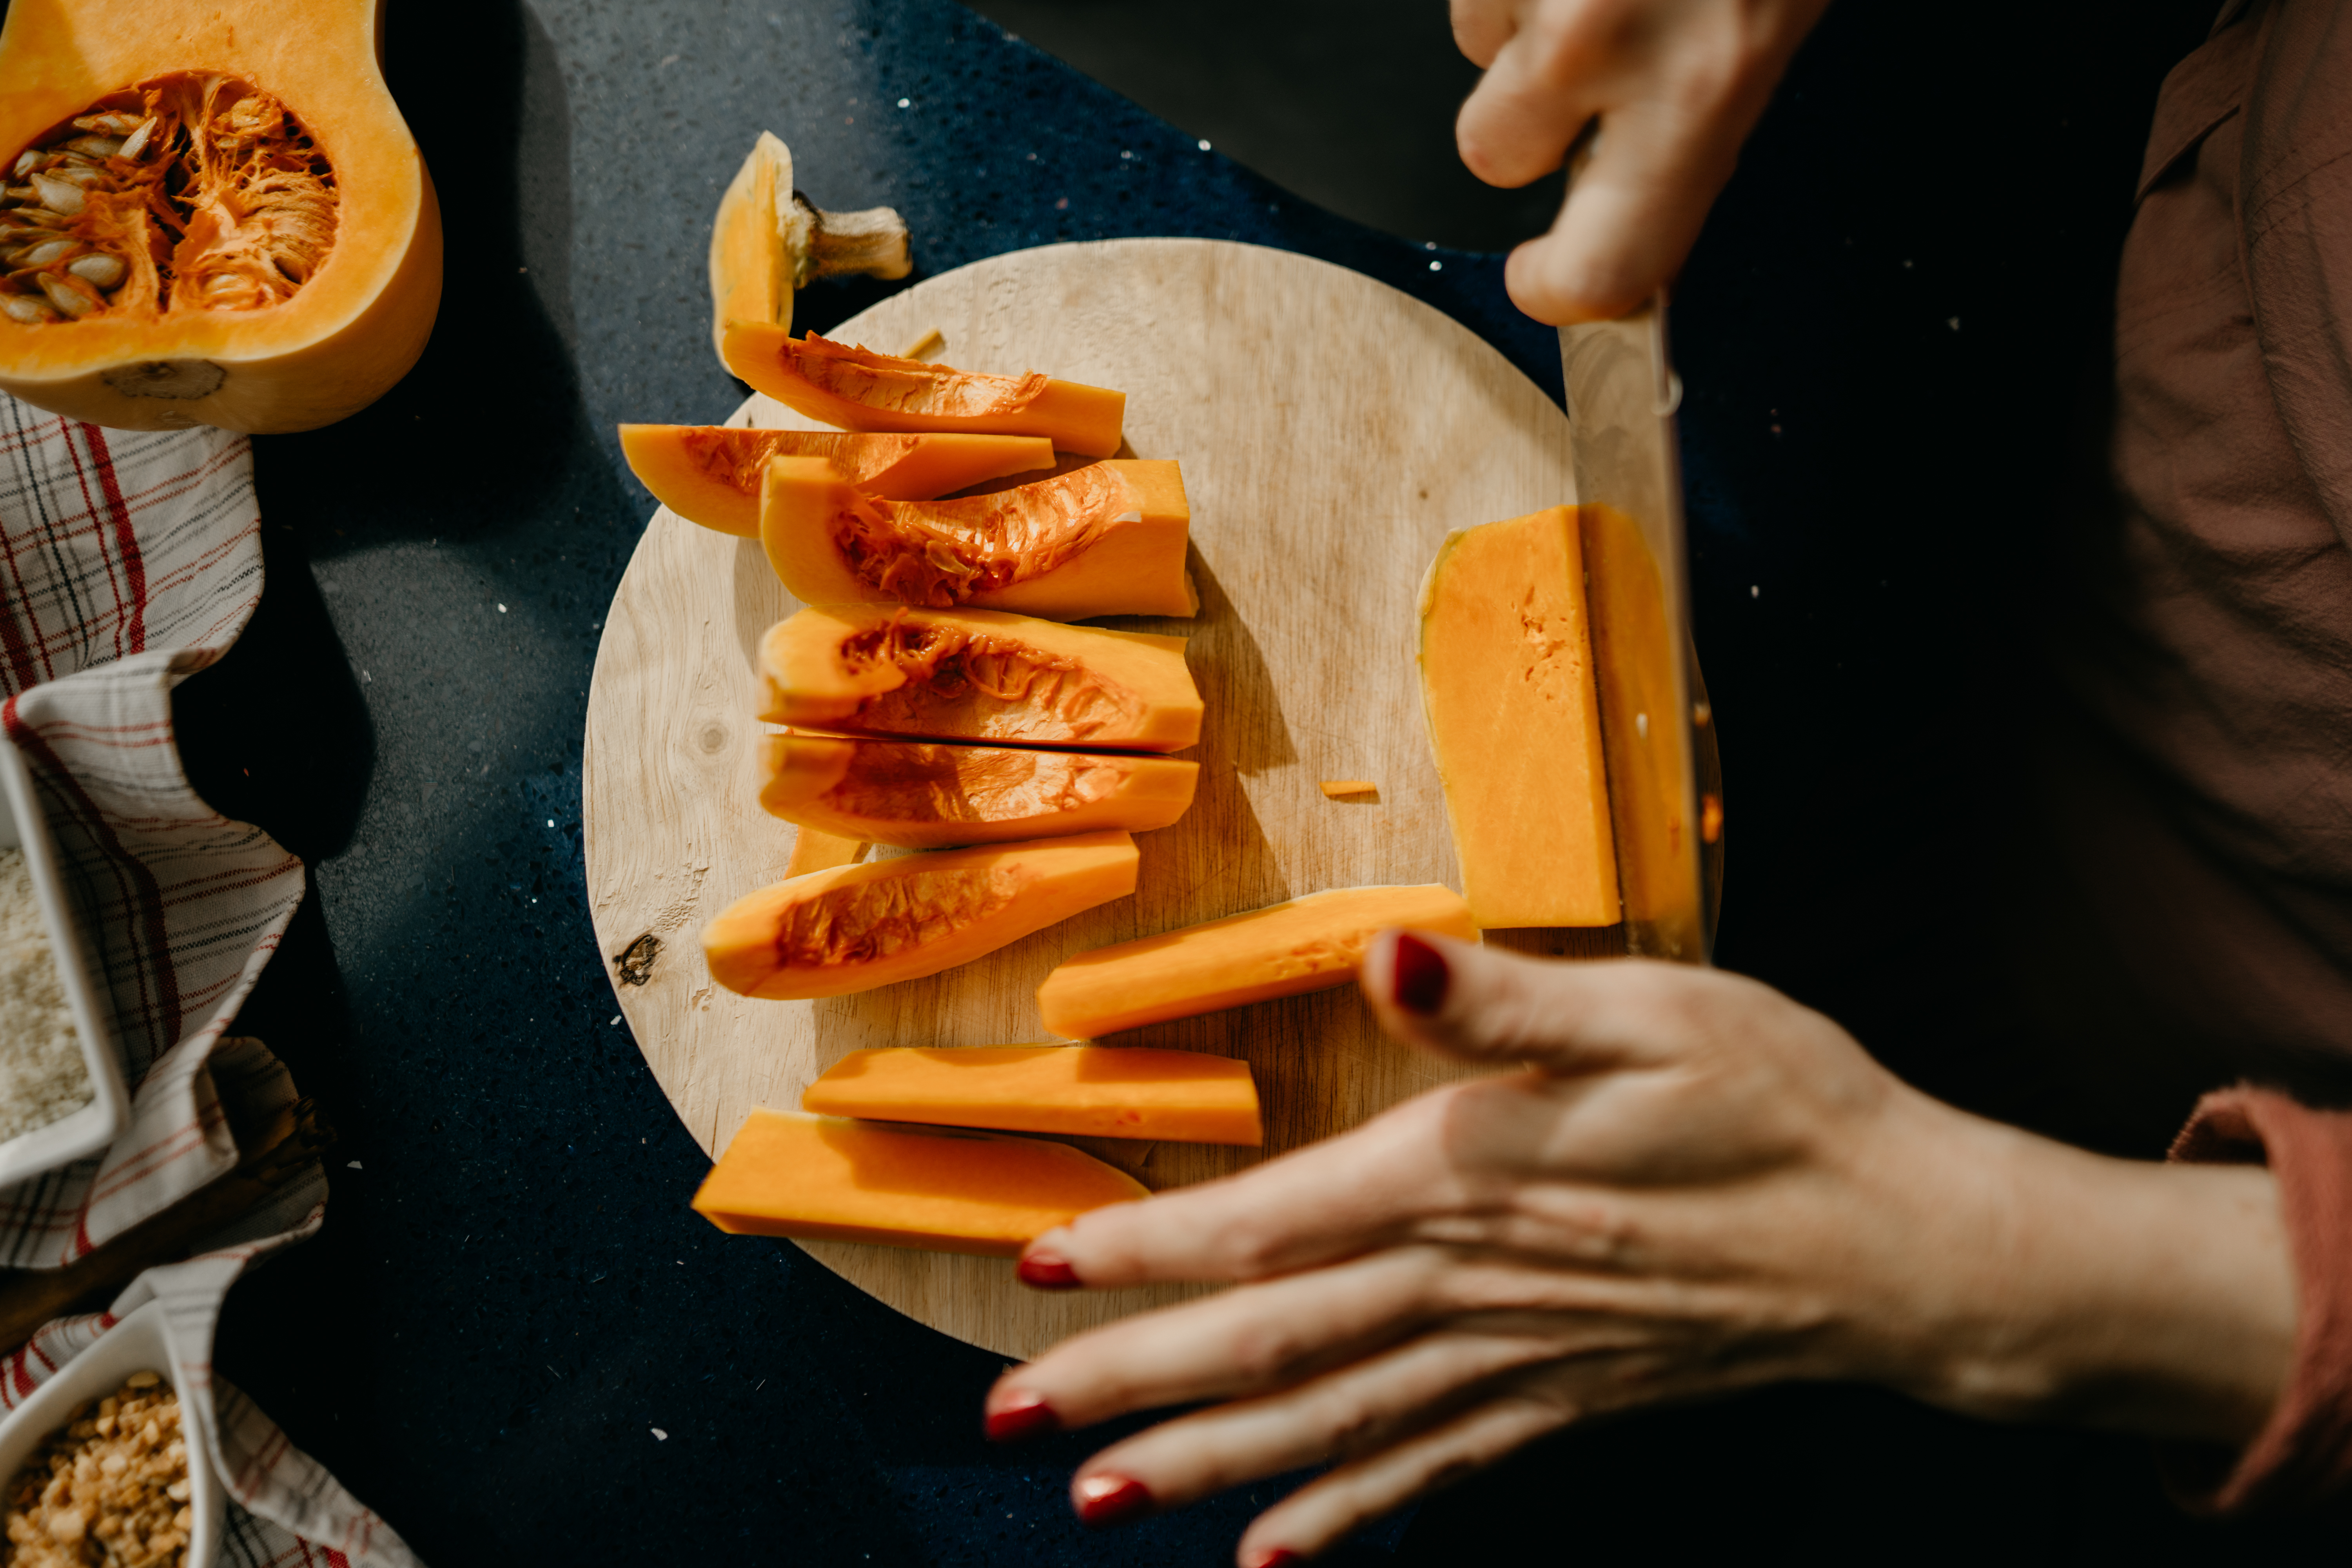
point(1695, 1185)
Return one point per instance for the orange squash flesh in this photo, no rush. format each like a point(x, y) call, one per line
point(859, 389)
point(767, 239)
point(1180, 1096)
point(854, 928)
point(710, 474)
point(789, 1173)
point(1307, 944)
point(816, 850)
point(301, 313)
point(750, 266)
point(920, 795)
point(977, 675)
point(1507, 683)
point(1103, 540)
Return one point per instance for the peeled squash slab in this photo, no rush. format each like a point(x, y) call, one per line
point(859, 389)
point(711, 474)
point(212, 215)
point(1178, 1097)
point(1107, 539)
point(768, 240)
point(920, 795)
point(857, 927)
point(977, 675)
point(1283, 950)
point(1506, 679)
point(788, 1174)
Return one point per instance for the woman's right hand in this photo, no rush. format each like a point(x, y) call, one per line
point(1692, 1186)
point(1675, 86)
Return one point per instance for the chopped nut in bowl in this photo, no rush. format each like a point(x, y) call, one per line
point(99, 1472)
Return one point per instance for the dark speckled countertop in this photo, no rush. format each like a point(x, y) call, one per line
point(509, 1295)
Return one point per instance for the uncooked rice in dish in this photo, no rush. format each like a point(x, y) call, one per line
point(42, 1074)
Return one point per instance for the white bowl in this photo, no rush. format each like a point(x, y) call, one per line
point(134, 1344)
point(101, 1122)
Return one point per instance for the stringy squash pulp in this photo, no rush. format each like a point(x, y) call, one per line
point(188, 193)
point(210, 216)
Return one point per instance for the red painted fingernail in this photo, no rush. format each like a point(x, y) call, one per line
point(1418, 976)
point(1021, 1416)
point(1111, 1500)
point(1046, 1271)
point(1277, 1557)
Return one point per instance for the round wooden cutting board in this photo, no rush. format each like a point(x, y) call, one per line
point(1331, 431)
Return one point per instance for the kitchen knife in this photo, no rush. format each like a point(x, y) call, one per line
point(1657, 733)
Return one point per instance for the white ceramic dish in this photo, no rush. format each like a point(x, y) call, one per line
point(99, 1123)
point(134, 1344)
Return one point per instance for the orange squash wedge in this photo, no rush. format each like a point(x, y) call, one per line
point(213, 215)
point(1178, 1097)
point(788, 1174)
point(1107, 539)
point(711, 474)
point(854, 928)
point(1307, 944)
point(1506, 679)
point(859, 389)
point(921, 796)
point(977, 675)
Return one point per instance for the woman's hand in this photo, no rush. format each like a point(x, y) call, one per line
point(1675, 86)
point(1695, 1185)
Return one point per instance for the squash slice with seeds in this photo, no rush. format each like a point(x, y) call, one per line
point(211, 215)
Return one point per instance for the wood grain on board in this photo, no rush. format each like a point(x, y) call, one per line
point(1331, 430)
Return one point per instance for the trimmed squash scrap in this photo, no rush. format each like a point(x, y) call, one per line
point(817, 850)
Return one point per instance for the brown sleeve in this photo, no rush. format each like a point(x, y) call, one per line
point(2305, 1453)
point(2296, 206)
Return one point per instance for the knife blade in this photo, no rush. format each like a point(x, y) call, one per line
point(1657, 736)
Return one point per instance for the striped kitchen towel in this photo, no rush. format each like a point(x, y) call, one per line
point(285, 1508)
point(130, 561)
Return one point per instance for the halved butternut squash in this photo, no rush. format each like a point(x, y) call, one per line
point(213, 216)
point(1181, 1097)
point(977, 675)
point(1307, 944)
point(710, 474)
point(786, 1172)
point(920, 795)
point(859, 389)
point(1103, 540)
point(1506, 682)
point(854, 928)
